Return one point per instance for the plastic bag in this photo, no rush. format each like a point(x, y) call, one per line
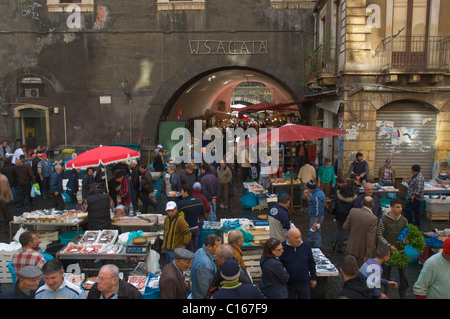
point(153, 262)
point(250, 200)
point(35, 190)
point(134, 234)
point(19, 232)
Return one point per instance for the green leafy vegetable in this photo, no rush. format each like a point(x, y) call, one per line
point(398, 260)
point(415, 238)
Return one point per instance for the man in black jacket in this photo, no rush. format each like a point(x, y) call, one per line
point(98, 206)
point(110, 286)
point(355, 286)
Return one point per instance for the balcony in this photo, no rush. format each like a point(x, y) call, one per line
point(414, 54)
point(320, 68)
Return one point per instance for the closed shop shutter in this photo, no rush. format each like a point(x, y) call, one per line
point(406, 133)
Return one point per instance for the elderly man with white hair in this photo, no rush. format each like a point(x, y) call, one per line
point(56, 188)
point(110, 286)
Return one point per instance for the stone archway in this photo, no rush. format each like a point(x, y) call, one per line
point(277, 76)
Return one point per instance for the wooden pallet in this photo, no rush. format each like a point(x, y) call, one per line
point(437, 216)
point(251, 260)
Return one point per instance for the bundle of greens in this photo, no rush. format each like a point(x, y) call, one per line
point(415, 238)
point(398, 259)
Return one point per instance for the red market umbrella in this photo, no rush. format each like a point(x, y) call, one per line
point(292, 133)
point(102, 155)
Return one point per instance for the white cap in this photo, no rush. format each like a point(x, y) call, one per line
point(159, 146)
point(171, 205)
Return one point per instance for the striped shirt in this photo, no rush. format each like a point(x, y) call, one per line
point(176, 232)
point(67, 290)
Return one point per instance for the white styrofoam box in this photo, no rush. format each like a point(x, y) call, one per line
point(437, 205)
point(5, 259)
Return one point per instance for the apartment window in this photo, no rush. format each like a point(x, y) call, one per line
point(169, 5)
point(410, 24)
point(63, 5)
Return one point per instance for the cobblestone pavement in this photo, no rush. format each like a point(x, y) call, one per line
point(301, 220)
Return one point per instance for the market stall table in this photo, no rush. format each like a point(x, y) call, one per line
point(279, 183)
point(382, 189)
point(152, 221)
point(52, 218)
point(324, 270)
point(94, 245)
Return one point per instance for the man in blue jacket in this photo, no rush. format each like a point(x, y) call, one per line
point(316, 209)
point(279, 219)
point(191, 208)
point(56, 188)
point(298, 260)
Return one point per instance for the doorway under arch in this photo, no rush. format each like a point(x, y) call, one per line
point(32, 125)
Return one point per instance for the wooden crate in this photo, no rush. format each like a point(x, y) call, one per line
point(260, 235)
point(5, 259)
point(437, 216)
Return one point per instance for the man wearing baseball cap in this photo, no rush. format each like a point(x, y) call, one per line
point(176, 232)
point(434, 278)
point(386, 173)
point(316, 209)
point(28, 281)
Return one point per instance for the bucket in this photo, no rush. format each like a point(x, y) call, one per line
point(66, 238)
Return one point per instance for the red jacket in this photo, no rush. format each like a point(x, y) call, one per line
point(197, 194)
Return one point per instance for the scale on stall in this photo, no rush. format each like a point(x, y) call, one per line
point(140, 245)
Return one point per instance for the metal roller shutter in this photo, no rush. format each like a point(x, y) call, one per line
point(406, 134)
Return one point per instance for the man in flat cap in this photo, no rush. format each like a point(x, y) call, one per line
point(172, 284)
point(28, 281)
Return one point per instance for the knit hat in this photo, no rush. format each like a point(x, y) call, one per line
point(230, 269)
point(447, 246)
point(311, 185)
point(197, 185)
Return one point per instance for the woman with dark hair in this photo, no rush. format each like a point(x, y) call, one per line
point(345, 197)
point(274, 275)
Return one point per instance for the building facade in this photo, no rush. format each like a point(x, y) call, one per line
point(380, 70)
point(82, 73)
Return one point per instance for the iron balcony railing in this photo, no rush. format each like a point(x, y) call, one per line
point(414, 53)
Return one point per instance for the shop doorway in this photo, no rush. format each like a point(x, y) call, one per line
point(32, 126)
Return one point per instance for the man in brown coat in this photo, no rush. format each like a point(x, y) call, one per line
point(361, 227)
point(5, 197)
point(172, 284)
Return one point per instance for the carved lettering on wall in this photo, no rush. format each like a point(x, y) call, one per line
point(227, 47)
